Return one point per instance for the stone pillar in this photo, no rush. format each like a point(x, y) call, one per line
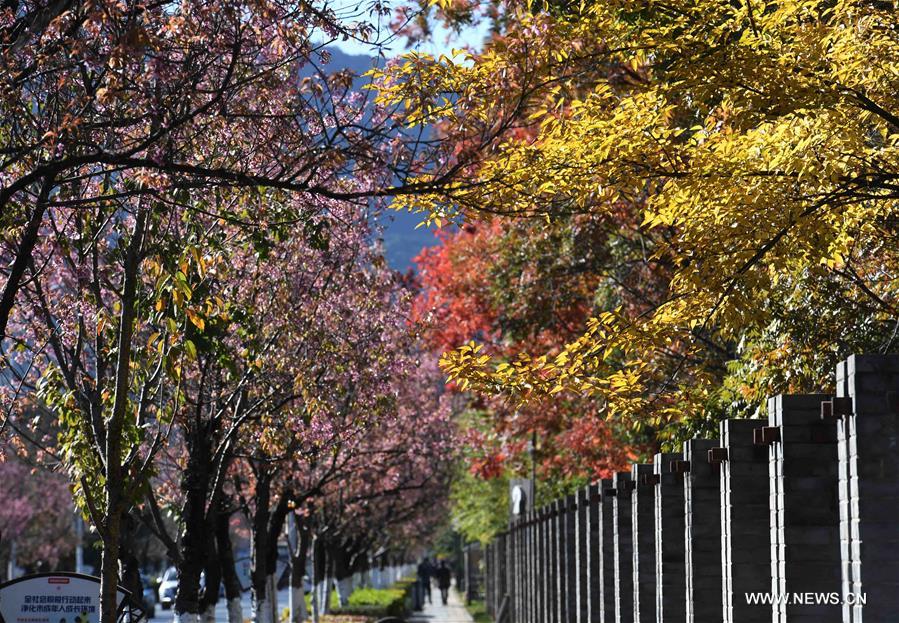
point(561, 550)
point(531, 586)
point(571, 575)
point(702, 527)
point(840, 410)
point(533, 562)
point(594, 554)
point(643, 522)
point(871, 436)
point(582, 572)
point(549, 578)
point(514, 572)
point(511, 575)
point(745, 532)
point(510, 572)
point(624, 549)
point(544, 572)
point(523, 584)
point(524, 571)
point(670, 563)
point(488, 577)
point(498, 573)
point(805, 518)
point(536, 567)
point(606, 542)
point(539, 568)
point(494, 576)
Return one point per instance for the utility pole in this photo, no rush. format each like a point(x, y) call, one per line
point(79, 542)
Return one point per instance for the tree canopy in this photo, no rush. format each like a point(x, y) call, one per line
point(754, 147)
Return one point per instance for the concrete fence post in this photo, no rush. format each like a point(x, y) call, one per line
point(509, 568)
point(523, 569)
point(570, 580)
point(644, 543)
point(495, 579)
point(533, 567)
point(549, 579)
point(508, 565)
point(582, 568)
point(745, 532)
point(516, 574)
point(488, 575)
point(871, 503)
point(594, 553)
point(702, 531)
point(805, 521)
point(503, 571)
point(606, 542)
point(624, 550)
point(670, 562)
point(561, 596)
point(542, 565)
point(840, 410)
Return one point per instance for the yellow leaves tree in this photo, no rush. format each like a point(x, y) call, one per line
point(764, 135)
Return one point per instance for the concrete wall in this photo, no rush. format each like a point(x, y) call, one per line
point(802, 507)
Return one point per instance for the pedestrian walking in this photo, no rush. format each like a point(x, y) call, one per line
point(425, 572)
point(444, 580)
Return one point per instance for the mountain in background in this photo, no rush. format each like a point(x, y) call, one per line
point(402, 241)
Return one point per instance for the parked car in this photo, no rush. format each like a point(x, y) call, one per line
point(168, 587)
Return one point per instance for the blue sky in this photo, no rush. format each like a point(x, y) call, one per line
point(442, 42)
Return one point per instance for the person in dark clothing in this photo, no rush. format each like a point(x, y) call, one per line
point(425, 571)
point(444, 579)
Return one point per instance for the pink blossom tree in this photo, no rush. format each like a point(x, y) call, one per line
point(36, 516)
point(391, 494)
point(346, 420)
point(141, 139)
point(197, 95)
point(148, 128)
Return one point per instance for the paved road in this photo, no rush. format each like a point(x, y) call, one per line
point(221, 609)
point(453, 612)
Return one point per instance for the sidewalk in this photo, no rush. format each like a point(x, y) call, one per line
point(453, 612)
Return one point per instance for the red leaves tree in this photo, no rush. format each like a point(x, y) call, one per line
point(516, 286)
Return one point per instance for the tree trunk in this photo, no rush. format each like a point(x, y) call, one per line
point(343, 574)
point(213, 568)
point(259, 570)
point(109, 562)
point(195, 535)
point(321, 578)
point(129, 564)
point(229, 573)
point(115, 476)
point(272, 597)
point(297, 573)
point(109, 570)
point(275, 527)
